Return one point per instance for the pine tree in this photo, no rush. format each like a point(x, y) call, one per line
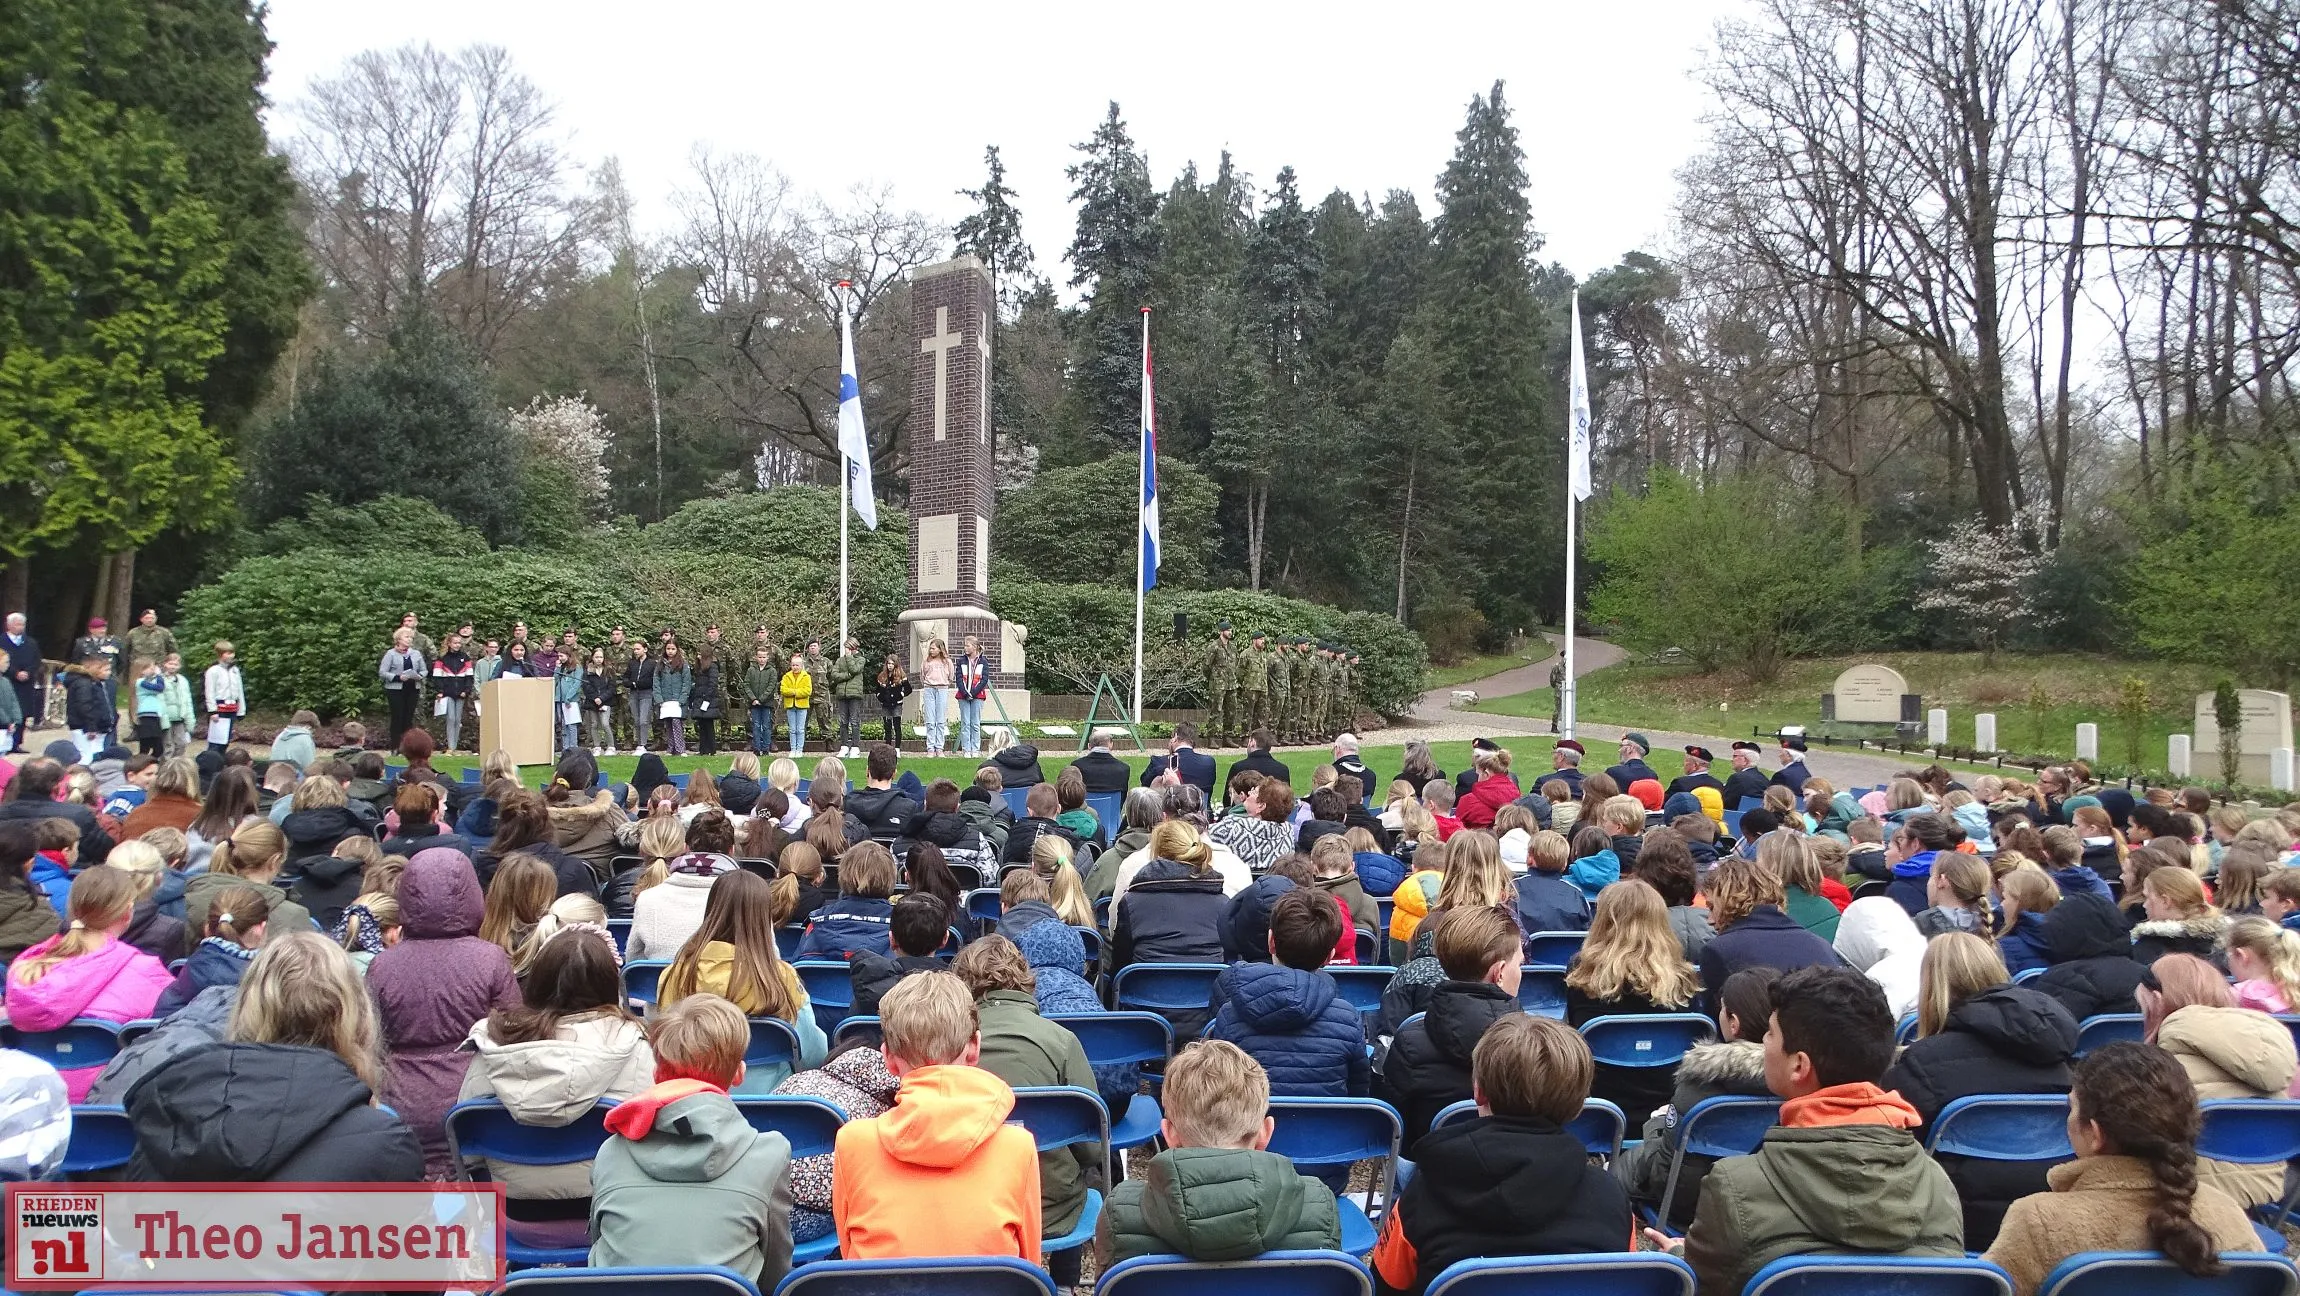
point(993, 235)
point(1202, 232)
point(1284, 267)
point(1488, 343)
point(1112, 257)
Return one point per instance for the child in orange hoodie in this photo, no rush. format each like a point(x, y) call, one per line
point(941, 1173)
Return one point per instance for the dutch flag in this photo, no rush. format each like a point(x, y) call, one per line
point(1149, 573)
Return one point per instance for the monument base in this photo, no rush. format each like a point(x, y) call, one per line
point(1002, 643)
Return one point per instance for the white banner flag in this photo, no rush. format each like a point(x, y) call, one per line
point(1577, 414)
point(854, 444)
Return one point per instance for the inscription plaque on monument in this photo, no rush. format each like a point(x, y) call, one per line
point(1869, 694)
point(2267, 726)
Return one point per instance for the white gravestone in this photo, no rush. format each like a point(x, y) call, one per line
point(2088, 742)
point(2176, 755)
point(1869, 694)
point(1985, 732)
point(1937, 727)
point(2280, 769)
point(2267, 726)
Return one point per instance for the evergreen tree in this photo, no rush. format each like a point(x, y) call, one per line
point(417, 420)
point(111, 298)
point(1284, 267)
point(1488, 343)
point(1112, 257)
point(993, 235)
point(1202, 230)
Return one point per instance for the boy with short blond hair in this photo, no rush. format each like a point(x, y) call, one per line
point(684, 1179)
point(1513, 1181)
point(941, 1173)
point(1216, 1193)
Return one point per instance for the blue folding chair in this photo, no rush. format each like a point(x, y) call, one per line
point(2149, 1273)
point(1733, 823)
point(82, 1042)
point(1017, 801)
point(983, 905)
point(787, 940)
point(1628, 1273)
point(2254, 1131)
point(774, 1042)
point(620, 929)
point(102, 1139)
point(1059, 1116)
point(1272, 1273)
point(1727, 1125)
point(1600, 1126)
point(1905, 1032)
point(1336, 1133)
point(130, 1032)
point(2027, 1128)
point(830, 988)
point(812, 1126)
point(1107, 806)
point(2028, 975)
point(1647, 1039)
point(2108, 1028)
point(946, 1276)
point(1541, 991)
point(1366, 947)
point(1166, 987)
point(481, 1127)
point(1125, 1039)
point(679, 781)
point(2291, 1023)
point(681, 1280)
point(1748, 804)
point(1552, 949)
point(1834, 1275)
point(868, 1030)
point(642, 981)
point(1362, 987)
point(1092, 940)
point(1384, 906)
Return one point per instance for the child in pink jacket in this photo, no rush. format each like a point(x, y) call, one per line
point(86, 970)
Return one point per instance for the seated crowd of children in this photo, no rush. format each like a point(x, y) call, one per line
point(379, 952)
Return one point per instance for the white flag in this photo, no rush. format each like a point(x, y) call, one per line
point(1577, 414)
point(854, 443)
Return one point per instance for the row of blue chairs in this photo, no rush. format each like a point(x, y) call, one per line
point(1329, 1273)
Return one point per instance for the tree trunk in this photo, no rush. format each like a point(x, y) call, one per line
point(100, 598)
point(16, 590)
point(122, 613)
point(1405, 533)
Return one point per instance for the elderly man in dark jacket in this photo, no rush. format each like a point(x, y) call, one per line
point(1102, 771)
point(1289, 1015)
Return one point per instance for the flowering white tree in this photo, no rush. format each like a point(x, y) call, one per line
point(1981, 576)
point(569, 431)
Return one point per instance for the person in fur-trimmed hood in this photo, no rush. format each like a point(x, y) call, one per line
point(1734, 1065)
point(2179, 920)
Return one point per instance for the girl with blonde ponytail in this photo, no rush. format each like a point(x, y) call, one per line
point(2265, 960)
point(370, 926)
point(1959, 892)
point(235, 928)
point(86, 970)
point(252, 857)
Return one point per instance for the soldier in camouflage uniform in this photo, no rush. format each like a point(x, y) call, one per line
point(1221, 689)
point(152, 642)
point(1282, 699)
point(1285, 663)
point(1305, 664)
point(1254, 683)
point(618, 662)
point(1346, 694)
point(1329, 683)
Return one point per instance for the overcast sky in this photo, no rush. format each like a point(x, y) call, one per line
point(904, 94)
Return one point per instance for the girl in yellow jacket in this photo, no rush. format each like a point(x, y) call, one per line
point(798, 690)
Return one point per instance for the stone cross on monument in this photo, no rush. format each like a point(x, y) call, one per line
point(953, 481)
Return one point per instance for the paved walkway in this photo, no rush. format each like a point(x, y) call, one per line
point(1435, 720)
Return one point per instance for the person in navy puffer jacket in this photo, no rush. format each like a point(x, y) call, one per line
point(1918, 839)
point(1378, 873)
point(1289, 1015)
point(2028, 896)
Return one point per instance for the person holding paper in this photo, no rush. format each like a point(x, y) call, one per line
point(225, 698)
point(402, 670)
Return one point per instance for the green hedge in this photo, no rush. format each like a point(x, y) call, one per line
point(311, 626)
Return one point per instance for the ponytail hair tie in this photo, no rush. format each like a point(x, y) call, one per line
point(560, 782)
point(77, 925)
point(224, 918)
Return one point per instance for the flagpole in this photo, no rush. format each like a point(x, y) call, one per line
point(846, 472)
point(1566, 697)
point(1141, 537)
point(1576, 461)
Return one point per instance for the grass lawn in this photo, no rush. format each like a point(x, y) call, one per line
point(2076, 689)
point(1477, 668)
point(1451, 757)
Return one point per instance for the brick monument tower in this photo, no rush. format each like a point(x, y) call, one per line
point(953, 483)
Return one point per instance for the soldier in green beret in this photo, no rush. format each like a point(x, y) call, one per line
point(1221, 689)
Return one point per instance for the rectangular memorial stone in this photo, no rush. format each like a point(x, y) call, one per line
point(1869, 694)
point(2267, 726)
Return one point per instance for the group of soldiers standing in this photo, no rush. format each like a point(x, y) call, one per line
point(1302, 690)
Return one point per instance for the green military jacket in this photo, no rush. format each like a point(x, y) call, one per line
point(1221, 665)
point(819, 670)
point(1254, 670)
point(154, 643)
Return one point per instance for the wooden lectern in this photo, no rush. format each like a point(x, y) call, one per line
point(515, 717)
